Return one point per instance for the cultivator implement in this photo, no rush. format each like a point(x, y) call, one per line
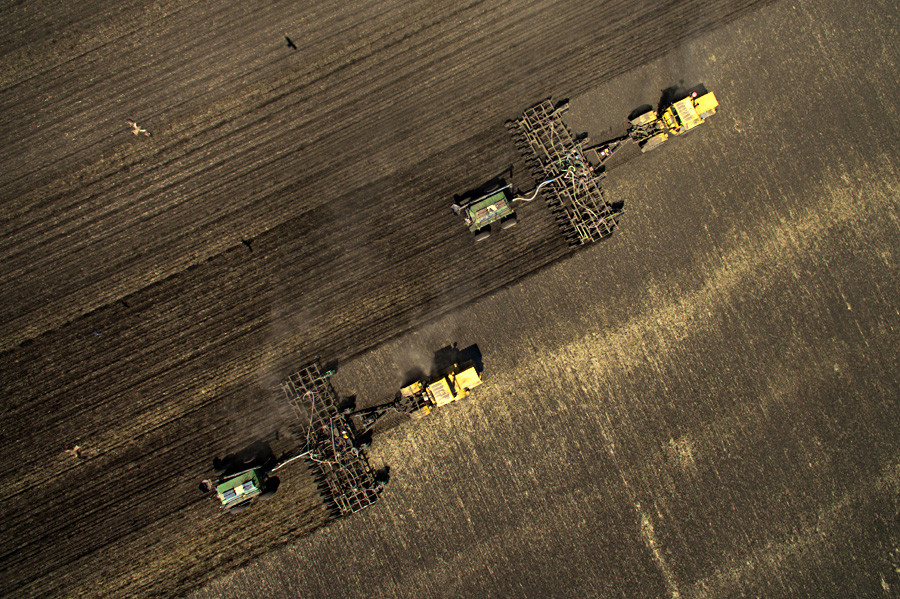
point(572, 186)
point(342, 469)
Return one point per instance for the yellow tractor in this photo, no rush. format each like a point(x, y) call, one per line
point(453, 386)
point(649, 130)
point(420, 398)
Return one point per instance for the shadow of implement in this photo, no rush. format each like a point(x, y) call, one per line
point(256, 455)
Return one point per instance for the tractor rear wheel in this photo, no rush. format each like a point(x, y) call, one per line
point(642, 115)
point(644, 118)
point(482, 235)
point(653, 142)
point(512, 221)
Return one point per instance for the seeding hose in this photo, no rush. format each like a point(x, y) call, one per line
point(536, 191)
point(296, 457)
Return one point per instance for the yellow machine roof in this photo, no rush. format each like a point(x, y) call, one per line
point(706, 104)
point(467, 380)
point(687, 113)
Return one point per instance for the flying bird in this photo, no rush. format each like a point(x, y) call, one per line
point(291, 44)
point(136, 129)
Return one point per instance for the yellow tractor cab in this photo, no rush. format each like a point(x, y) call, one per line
point(687, 113)
point(453, 386)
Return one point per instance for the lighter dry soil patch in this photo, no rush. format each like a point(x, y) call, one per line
point(739, 574)
point(769, 252)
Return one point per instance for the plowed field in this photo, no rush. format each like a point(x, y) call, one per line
point(705, 406)
point(136, 325)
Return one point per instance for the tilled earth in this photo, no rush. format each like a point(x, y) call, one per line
point(703, 406)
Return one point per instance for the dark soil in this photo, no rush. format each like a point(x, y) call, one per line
point(136, 325)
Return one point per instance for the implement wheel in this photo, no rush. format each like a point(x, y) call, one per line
point(269, 488)
point(238, 508)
